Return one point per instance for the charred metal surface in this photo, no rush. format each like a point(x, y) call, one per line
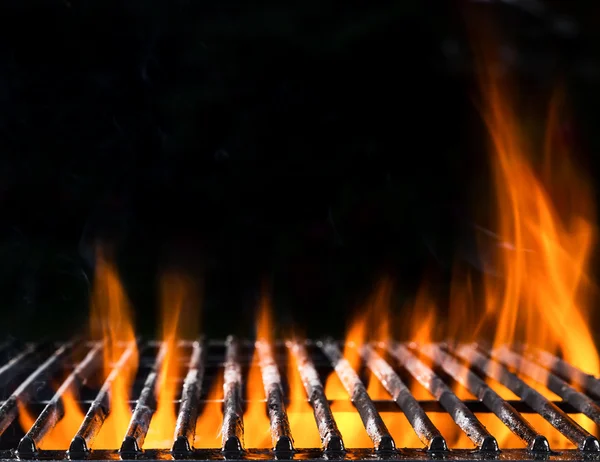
point(565, 370)
point(376, 429)
point(144, 409)
point(185, 428)
point(579, 401)
point(559, 420)
point(407, 455)
point(331, 438)
point(99, 409)
point(505, 412)
point(9, 409)
point(232, 441)
point(421, 424)
point(463, 417)
point(54, 410)
point(281, 434)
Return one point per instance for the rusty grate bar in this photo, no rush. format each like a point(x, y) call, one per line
point(578, 400)
point(99, 408)
point(144, 409)
point(505, 412)
point(372, 421)
point(559, 420)
point(281, 433)
point(233, 420)
point(54, 410)
point(9, 409)
point(185, 427)
point(459, 412)
point(331, 438)
point(420, 422)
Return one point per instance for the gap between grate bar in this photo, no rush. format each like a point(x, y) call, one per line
point(281, 434)
point(331, 438)
point(372, 421)
point(54, 410)
point(557, 418)
point(579, 401)
point(9, 409)
point(459, 412)
point(185, 427)
point(505, 412)
point(420, 422)
point(144, 409)
point(564, 369)
point(232, 430)
point(99, 408)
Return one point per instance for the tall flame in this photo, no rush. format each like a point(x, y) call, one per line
point(179, 306)
point(545, 226)
point(111, 323)
point(256, 421)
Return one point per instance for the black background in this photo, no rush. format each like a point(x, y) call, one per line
point(314, 145)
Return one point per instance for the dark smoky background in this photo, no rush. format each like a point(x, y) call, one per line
point(312, 146)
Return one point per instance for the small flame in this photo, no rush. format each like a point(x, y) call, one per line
point(208, 425)
point(177, 295)
point(372, 324)
point(256, 421)
point(66, 428)
point(111, 323)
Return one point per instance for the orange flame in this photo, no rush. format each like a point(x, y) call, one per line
point(372, 324)
point(545, 226)
point(111, 323)
point(208, 425)
point(179, 305)
point(66, 428)
point(256, 421)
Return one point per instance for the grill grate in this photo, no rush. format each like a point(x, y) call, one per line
point(38, 376)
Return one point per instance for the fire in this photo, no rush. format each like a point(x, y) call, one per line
point(177, 295)
point(545, 224)
point(62, 434)
point(256, 421)
point(300, 412)
point(208, 425)
point(373, 324)
point(111, 323)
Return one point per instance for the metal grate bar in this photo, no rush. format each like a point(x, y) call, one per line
point(578, 400)
point(144, 409)
point(281, 434)
point(505, 412)
point(371, 419)
point(18, 359)
point(463, 417)
point(9, 409)
point(561, 421)
point(420, 422)
point(331, 438)
point(185, 427)
point(233, 414)
point(566, 370)
point(99, 408)
point(54, 410)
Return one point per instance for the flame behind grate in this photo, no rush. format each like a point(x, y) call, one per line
point(42, 381)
